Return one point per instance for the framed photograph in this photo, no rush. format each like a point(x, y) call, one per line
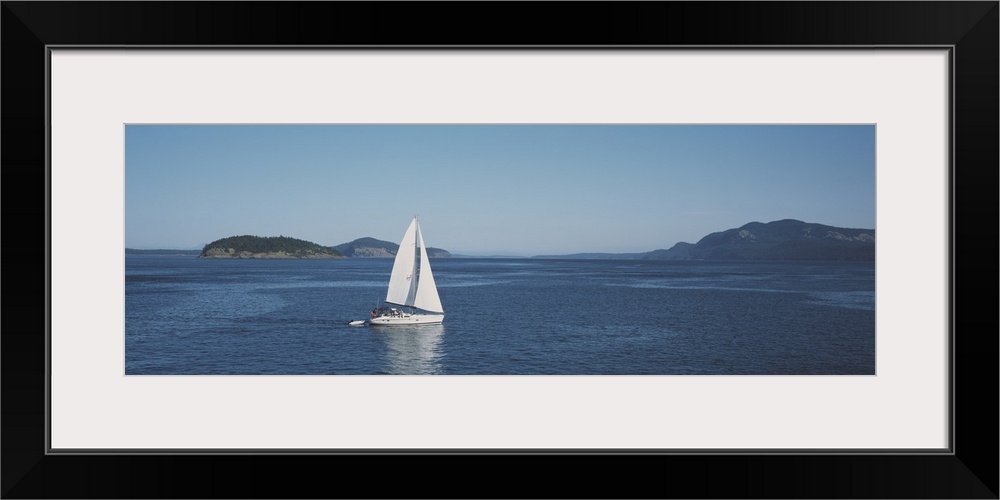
point(638, 323)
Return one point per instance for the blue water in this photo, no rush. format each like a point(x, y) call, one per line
point(185, 315)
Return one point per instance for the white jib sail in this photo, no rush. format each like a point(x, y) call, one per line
point(427, 293)
point(403, 280)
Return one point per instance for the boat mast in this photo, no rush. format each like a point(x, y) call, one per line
point(416, 262)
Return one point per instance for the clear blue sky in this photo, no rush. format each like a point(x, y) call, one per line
point(483, 189)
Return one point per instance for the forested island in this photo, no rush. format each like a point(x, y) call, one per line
point(283, 247)
point(370, 247)
point(266, 247)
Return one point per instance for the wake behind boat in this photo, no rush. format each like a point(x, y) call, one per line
point(411, 286)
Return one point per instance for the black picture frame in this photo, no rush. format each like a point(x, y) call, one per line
point(970, 29)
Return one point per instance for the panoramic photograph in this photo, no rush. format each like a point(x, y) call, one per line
point(468, 249)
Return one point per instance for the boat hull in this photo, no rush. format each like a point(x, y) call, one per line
point(407, 319)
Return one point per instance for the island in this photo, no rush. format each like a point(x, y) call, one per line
point(787, 239)
point(266, 247)
point(371, 247)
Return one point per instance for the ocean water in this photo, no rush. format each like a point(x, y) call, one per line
point(185, 315)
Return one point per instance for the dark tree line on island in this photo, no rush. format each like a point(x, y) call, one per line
point(269, 244)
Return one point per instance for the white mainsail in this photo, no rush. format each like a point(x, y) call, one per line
point(427, 293)
point(403, 280)
point(408, 285)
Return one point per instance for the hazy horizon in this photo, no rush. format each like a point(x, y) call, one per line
point(522, 190)
point(460, 252)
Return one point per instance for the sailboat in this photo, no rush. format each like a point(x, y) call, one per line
point(411, 286)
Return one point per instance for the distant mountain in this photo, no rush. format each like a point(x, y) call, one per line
point(787, 239)
point(679, 251)
point(370, 247)
point(267, 247)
